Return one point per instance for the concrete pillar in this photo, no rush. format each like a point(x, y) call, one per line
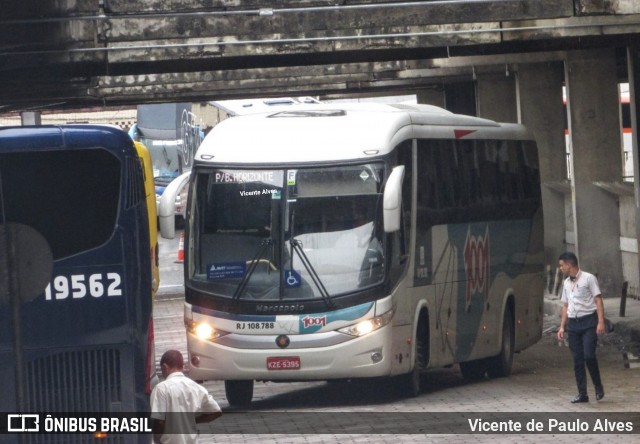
point(460, 98)
point(633, 64)
point(594, 127)
point(496, 97)
point(31, 118)
point(431, 97)
point(539, 92)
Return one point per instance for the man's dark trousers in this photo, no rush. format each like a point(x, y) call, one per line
point(583, 340)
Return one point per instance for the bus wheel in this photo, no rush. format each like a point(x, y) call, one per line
point(473, 370)
point(500, 365)
point(410, 383)
point(239, 393)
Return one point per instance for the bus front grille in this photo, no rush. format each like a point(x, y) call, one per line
point(74, 381)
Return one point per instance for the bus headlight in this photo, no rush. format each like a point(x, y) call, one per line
point(365, 327)
point(203, 330)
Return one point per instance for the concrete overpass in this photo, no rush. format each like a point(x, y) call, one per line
point(501, 59)
point(82, 52)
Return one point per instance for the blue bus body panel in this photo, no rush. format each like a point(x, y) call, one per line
point(85, 338)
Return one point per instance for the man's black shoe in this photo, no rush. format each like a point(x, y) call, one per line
point(599, 393)
point(580, 398)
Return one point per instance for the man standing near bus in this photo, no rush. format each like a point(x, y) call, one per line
point(178, 403)
point(583, 317)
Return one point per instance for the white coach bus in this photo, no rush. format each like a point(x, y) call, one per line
point(357, 240)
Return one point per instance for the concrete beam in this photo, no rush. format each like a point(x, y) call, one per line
point(83, 47)
point(589, 7)
point(29, 9)
point(63, 25)
point(125, 22)
point(382, 70)
point(327, 14)
point(542, 29)
point(319, 80)
point(309, 44)
point(73, 51)
point(210, 85)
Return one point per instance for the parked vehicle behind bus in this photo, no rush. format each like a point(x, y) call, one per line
point(81, 340)
point(348, 241)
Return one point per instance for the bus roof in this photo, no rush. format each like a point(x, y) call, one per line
point(345, 131)
point(52, 137)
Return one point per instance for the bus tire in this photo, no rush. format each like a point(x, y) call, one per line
point(239, 393)
point(500, 365)
point(411, 382)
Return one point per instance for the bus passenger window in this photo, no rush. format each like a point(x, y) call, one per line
point(58, 186)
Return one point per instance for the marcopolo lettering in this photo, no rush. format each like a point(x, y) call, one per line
point(260, 308)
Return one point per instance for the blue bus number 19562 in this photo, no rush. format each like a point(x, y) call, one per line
point(78, 286)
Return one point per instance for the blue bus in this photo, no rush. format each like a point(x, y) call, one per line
point(76, 331)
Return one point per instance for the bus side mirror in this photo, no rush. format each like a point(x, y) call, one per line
point(167, 206)
point(392, 200)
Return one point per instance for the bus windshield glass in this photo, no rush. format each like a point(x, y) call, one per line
point(293, 234)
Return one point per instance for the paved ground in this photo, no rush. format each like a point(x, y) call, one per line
point(540, 388)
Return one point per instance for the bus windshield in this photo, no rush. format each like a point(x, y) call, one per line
point(293, 234)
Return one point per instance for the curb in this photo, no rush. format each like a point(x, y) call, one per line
point(170, 292)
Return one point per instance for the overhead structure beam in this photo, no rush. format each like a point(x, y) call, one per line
point(80, 52)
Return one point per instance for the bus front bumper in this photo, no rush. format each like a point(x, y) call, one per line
point(359, 357)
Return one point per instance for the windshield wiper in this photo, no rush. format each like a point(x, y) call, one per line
point(264, 244)
point(297, 247)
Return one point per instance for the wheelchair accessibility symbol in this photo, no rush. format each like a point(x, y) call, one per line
point(292, 279)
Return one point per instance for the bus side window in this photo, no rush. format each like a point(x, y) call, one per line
point(489, 171)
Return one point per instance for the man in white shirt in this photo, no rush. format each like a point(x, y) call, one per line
point(583, 316)
point(178, 403)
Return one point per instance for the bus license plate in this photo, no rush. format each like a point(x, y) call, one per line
point(283, 363)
